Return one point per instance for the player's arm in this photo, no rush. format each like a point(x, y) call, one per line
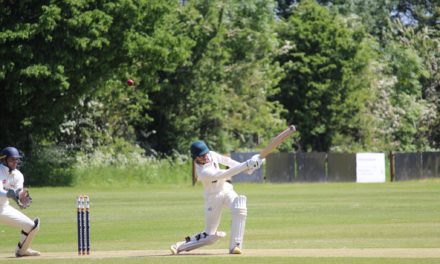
point(18, 181)
point(7, 192)
point(213, 174)
point(3, 192)
point(18, 193)
point(20, 196)
point(10, 193)
point(225, 160)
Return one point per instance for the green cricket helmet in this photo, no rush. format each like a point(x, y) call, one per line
point(198, 148)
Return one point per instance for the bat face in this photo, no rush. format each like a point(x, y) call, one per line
point(276, 141)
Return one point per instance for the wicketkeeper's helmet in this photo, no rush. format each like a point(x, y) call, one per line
point(198, 149)
point(10, 152)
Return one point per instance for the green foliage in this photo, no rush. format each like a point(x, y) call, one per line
point(324, 88)
point(404, 112)
point(104, 119)
point(123, 168)
point(220, 94)
point(419, 70)
point(119, 164)
point(407, 30)
point(352, 75)
point(49, 166)
point(62, 54)
point(49, 54)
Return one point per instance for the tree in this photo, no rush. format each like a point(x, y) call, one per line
point(153, 48)
point(407, 109)
point(220, 93)
point(410, 28)
point(284, 8)
point(51, 54)
point(56, 55)
point(324, 88)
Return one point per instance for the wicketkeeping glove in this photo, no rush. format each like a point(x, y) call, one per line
point(21, 197)
point(24, 199)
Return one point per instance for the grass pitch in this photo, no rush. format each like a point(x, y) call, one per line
point(280, 216)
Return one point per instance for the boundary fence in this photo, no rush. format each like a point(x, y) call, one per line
point(283, 167)
point(414, 166)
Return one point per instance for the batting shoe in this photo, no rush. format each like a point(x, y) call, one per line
point(28, 253)
point(236, 251)
point(175, 248)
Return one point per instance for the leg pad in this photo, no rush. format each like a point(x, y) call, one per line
point(27, 238)
point(239, 214)
point(199, 240)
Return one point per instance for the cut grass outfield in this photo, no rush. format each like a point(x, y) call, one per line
point(282, 216)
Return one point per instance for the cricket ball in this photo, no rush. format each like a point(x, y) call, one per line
point(130, 82)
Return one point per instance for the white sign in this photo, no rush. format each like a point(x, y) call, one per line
point(370, 167)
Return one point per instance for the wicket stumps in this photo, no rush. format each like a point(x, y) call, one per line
point(83, 225)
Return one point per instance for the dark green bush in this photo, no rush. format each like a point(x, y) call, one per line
point(48, 166)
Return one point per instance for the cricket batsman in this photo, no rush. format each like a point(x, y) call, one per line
point(219, 192)
point(11, 187)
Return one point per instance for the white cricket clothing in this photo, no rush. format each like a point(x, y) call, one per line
point(212, 176)
point(219, 192)
point(9, 215)
point(23, 247)
point(13, 217)
point(239, 213)
point(9, 180)
point(196, 241)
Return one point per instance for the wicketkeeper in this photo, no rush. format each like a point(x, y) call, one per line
point(219, 192)
point(11, 186)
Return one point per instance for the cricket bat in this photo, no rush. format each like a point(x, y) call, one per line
point(276, 141)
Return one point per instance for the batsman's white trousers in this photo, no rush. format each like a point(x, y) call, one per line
point(12, 217)
point(214, 204)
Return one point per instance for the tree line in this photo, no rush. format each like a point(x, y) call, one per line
point(351, 75)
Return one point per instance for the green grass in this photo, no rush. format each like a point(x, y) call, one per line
point(343, 215)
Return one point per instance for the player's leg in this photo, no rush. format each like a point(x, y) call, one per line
point(213, 208)
point(213, 212)
point(23, 247)
point(11, 216)
point(239, 214)
point(196, 241)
